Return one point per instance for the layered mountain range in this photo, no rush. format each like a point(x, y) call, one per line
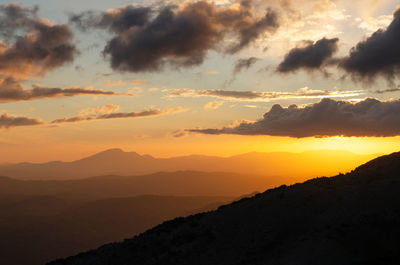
point(351, 218)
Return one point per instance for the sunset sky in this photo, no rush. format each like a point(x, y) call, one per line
point(171, 78)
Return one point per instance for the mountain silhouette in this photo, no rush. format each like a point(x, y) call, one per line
point(118, 162)
point(180, 183)
point(351, 218)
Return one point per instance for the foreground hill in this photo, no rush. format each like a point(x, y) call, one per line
point(36, 229)
point(118, 162)
point(347, 219)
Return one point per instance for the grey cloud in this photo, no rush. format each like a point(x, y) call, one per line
point(312, 57)
point(9, 121)
point(247, 34)
point(369, 117)
point(149, 39)
point(244, 64)
point(378, 55)
point(44, 46)
point(118, 20)
point(14, 16)
point(389, 90)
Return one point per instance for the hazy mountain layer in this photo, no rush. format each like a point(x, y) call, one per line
point(117, 162)
point(347, 219)
point(182, 183)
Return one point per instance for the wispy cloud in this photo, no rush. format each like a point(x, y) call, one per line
point(114, 114)
point(211, 73)
point(12, 90)
point(302, 93)
point(106, 109)
point(125, 83)
point(213, 105)
point(389, 90)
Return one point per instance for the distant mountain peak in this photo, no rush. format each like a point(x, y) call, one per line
point(112, 151)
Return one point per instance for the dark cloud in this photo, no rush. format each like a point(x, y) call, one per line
point(369, 117)
point(12, 90)
point(251, 31)
point(14, 17)
point(118, 20)
point(244, 64)
point(148, 39)
point(261, 96)
point(44, 46)
point(378, 55)
point(117, 115)
point(311, 57)
point(8, 121)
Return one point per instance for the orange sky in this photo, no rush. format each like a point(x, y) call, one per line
point(39, 145)
point(73, 104)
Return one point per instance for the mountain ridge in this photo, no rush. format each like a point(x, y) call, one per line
point(118, 162)
point(351, 218)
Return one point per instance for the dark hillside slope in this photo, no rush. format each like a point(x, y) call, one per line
point(347, 219)
point(36, 229)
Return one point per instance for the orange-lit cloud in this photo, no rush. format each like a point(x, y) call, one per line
point(213, 105)
point(211, 73)
point(125, 83)
point(106, 109)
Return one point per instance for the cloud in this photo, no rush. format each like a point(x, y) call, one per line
point(378, 55)
point(114, 20)
point(389, 90)
point(125, 83)
point(369, 117)
point(211, 73)
point(8, 121)
point(251, 31)
point(311, 57)
point(117, 115)
point(106, 109)
point(12, 90)
point(244, 64)
point(240, 65)
point(44, 47)
point(213, 105)
point(148, 39)
point(261, 96)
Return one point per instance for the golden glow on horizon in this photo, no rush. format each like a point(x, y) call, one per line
point(48, 149)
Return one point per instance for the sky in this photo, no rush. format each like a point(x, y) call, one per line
point(171, 78)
